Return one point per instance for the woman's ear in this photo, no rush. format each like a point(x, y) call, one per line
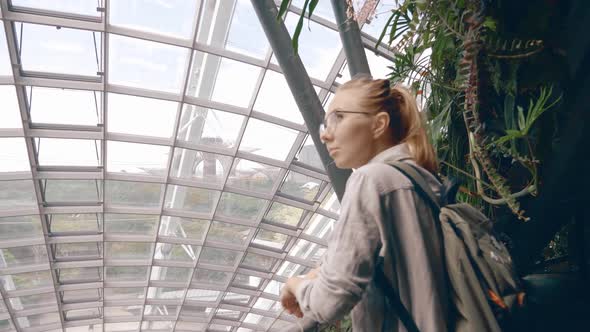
point(380, 124)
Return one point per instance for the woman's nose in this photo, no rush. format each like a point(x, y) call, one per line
point(325, 136)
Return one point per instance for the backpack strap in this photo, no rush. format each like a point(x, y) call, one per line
point(393, 296)
point(419, 183)
point(424, 191)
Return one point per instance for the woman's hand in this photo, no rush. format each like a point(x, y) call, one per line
point(288, 299)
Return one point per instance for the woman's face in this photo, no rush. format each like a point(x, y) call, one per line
point(348, 136)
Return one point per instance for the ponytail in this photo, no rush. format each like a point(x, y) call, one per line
point(410, 128)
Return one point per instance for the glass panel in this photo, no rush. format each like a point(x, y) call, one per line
point(47, 106)
point(228, 314)
point(13, 154)
point(78, 314)
point(20, 256)
point(310, 251)
point(177, 252)
point(222, 89)
point(331, 203)
point(126, 273)
point(185, 228)
point(245, 33)
point(161, 310)
point(228, 233)
point(211, 277)
point(378, 64)
point(301, 186)
point(270, 305)
point(167, 293)
point(83, 328)
point(319, 46)
point(174, 274)
point(270, 239)
point(121, 327)
point(237, 298)
point(78, 250)
point(26, 280)
point(126, 293)
point(167, 18)
point(38, 320)
point(209, 127)
point(289, 269)
point(18, 194)
point(68, 152)
point(308, 154)
point(66, 6)
point(222, 257)
point(256, 140)
point(145, 64)
point(157, 325)
point(157, 116)
point(141, 159)
point(190, 326)
point(124, 193)
point(323, 9)
point(132, 224)
point(247, 281)
point(85, 274)
point(262, 321)
point(85, 295)
point(202, 295)
point(320, 226)
point(33, 301)
point(273, 287)
point(72, 190)
point(196, 311)
point(10, 115)
point(128, 311)
point(191, 199)
point(128, 250)
point(240, 206)
point(280, 325)
point(250, 175)
point(12, 228)
point(200, 166)
point(219, 327)
point(6, 325)
point(259, 261)
point(275, 98)
point(5, 67)
point(65, 51)
point(79, 222)
point(284, 214)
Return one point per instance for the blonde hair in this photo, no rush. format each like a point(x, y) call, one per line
point(406, 122)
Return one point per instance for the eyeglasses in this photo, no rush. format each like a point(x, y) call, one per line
point(333, 119)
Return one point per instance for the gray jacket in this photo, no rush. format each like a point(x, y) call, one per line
point(380, 210)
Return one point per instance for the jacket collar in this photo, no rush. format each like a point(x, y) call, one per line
point(395, 153)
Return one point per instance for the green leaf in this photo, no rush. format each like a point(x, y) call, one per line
point(312, 6)
point(521, 120)
point(384, 29)
point(490, 23)
point(283, 9)
point(509, 101)
point(299, 27)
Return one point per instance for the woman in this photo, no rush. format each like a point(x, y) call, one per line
point(368, 125)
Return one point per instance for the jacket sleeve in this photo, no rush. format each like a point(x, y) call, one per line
point(350, 258)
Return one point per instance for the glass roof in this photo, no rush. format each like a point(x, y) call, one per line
point(155, 171)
